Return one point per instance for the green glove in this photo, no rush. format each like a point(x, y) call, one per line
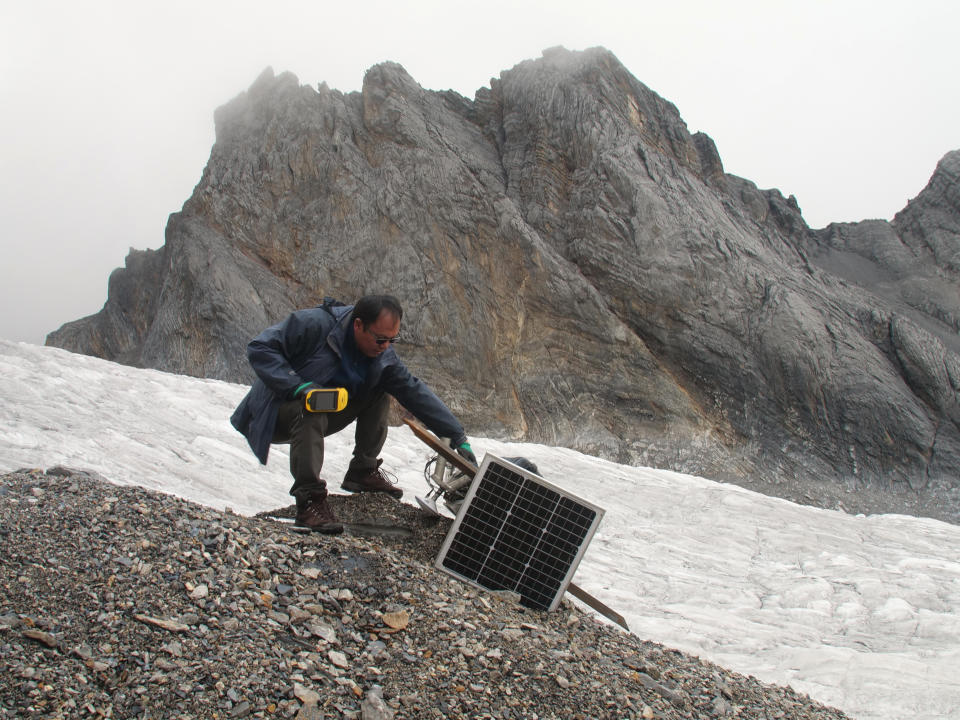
point(302, 389)
point(466, 452)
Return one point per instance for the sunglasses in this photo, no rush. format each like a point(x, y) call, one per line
point(382, 340)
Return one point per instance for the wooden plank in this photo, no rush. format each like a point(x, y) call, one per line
point(440, 447)
point(609, 613)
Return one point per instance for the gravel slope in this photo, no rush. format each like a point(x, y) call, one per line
point(121, 602)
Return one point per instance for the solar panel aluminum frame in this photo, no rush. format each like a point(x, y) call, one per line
point(515, 531)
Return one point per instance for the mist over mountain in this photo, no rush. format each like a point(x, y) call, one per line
point(577, 270)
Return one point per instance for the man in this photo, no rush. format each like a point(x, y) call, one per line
point(335, 346)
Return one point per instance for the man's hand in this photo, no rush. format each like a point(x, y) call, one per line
point(300, 393)
point(466, 452)
point(302, 390)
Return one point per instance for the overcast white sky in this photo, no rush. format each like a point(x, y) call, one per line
point(107, 107)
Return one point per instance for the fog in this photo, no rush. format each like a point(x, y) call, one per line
point(108, 106)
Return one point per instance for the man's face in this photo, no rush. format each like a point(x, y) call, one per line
point(376, 337)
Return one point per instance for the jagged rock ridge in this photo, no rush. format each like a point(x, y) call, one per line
point(579, 271)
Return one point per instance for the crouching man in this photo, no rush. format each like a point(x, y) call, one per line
point(335, 346)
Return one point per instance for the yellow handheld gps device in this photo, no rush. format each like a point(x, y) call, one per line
point(325, 399)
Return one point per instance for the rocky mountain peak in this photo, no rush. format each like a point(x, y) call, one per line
point(578, 270)
point(931, 221)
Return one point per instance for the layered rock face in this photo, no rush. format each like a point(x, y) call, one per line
point(577, 270)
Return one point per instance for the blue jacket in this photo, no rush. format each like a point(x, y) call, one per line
point(308, 347)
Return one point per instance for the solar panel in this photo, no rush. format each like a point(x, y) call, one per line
point(515, 531)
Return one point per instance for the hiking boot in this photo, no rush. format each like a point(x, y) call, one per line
point(372, 481)
point(315, 514)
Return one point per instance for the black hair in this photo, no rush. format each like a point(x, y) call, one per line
point(369, 307)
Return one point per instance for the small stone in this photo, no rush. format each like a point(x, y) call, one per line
point(10, 621)
point(322, 631)
point(83, 651)
point(338, 658)
point(40, 636)
point(512, 634)
point(298, 615)
point(396, 620)
point(170, 625)
point(373, 707)
point(305, 694)
point(507, 596)
point(721, 707)
point(311, 711)
point(375, 648)
point(173, 648)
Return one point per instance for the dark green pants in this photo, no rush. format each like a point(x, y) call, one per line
point(305, 431)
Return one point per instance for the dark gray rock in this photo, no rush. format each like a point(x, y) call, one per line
point(578, 270)
point(117, 332)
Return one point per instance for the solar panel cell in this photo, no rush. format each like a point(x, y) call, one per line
point(517, 532)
